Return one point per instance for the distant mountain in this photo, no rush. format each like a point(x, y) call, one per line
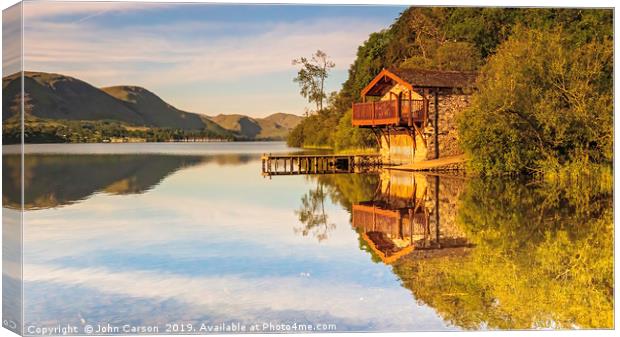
point(55, 97)
point(60, 97)
point(288, 121)
point(276, 126)
point(155, 112)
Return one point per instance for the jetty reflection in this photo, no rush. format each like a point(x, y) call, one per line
point(403, 216)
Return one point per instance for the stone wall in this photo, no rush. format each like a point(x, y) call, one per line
point(451, 105)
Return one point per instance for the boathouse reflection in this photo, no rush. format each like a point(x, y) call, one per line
point(403, 216)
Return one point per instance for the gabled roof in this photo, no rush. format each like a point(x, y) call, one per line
point(414, 78)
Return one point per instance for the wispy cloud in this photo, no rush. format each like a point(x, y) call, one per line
point(11, 40)
point(188, 51)
point(173, 56)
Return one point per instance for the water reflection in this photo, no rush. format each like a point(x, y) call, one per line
point(164, 238)
point(403, 216)
point(149, 238)
point(54, 180)
point(312, 214)
point(492, 253)
point(543, 258)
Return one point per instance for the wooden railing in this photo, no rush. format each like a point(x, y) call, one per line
point(388, 113)
point(415, 108)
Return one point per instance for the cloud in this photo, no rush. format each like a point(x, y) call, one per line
point(187, 52)
point(247, 299)
point(179, 59)
point(11, 40)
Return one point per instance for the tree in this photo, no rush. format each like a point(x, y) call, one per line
point(542, 102)
point(311, 77)
point(347, 136)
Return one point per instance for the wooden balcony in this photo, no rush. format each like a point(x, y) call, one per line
point(390, 113)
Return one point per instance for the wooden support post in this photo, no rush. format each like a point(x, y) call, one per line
point(373, 113)
point(425, 94)
point(436, 122)
point(413, 143)
point(437, 210)
point(410, 117)
point(398, 107)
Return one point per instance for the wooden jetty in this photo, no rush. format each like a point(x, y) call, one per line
point(278, 165)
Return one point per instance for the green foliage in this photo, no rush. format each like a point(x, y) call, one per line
point(462, 56)
point(314, 130)
point(79, 131)
point(346, 136)
point(370, 59)
point(542, 102)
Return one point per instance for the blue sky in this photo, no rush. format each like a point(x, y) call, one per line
point(202, 58)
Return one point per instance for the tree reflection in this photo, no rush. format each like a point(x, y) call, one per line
point(343, 189)
point(312, 215)
point(543, 258)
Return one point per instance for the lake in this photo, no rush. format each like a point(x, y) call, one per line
point(191, 236)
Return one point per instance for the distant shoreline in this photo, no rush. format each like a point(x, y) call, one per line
point(159, 142)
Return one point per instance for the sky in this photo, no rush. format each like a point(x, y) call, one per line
point(202, 58)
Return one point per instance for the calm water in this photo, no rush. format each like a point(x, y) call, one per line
point(150, 234)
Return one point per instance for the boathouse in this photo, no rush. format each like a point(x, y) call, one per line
point(412, 113)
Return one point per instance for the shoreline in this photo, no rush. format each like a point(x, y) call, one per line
point(145, 142)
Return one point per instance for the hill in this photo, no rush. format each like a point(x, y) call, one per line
point(273, 127)
point(156, 112)
point(61, 107)
point(59, 97)
point(54, 96)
